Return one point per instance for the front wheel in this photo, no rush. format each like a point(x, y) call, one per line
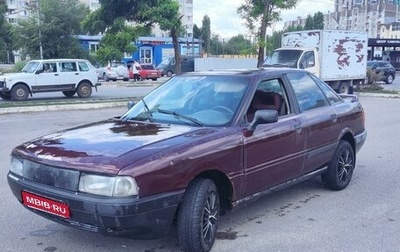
point(389, 79)
point(340, 171)
point(19, 92)
point(84, 90)
point(198, 216)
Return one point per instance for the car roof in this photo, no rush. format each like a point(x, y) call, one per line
point(52, 60)
point(246, 72)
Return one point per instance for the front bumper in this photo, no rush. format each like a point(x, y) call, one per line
point(146, 218)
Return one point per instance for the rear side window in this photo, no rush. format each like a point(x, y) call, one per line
point(68, 67)
point(83, 67)
point(309, 95)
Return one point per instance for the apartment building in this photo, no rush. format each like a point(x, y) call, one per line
point(17, 9)
point(374, 16)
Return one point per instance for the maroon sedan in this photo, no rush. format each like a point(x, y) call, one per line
point(198, 145)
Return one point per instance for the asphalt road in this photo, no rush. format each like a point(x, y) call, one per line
point(307, 217)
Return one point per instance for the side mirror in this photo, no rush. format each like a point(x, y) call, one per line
point(262, 117)
point(130, 104)
point(39, 71)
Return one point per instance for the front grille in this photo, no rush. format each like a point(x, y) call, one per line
point(52, 176)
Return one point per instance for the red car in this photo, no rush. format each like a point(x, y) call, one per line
point(200, 144)
point(146, 71)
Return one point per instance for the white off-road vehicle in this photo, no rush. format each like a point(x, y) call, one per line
point(68, 76)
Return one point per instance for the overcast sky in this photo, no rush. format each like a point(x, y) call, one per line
point(227, 23)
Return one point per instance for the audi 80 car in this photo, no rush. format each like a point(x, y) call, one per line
point(198, 145)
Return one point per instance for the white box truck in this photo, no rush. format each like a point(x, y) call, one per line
point(338, 57)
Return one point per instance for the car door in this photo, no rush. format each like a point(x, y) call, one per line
point(275, 152)
point(319, 118)
point(47, 77)
point(69, 74)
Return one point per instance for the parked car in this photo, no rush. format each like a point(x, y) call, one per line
point(382, 71)
point(68, 76)
point(115, 70)
point(147, 71)
point(198, 145)
point(167, 65)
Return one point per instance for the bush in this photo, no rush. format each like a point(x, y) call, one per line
point(19, 65)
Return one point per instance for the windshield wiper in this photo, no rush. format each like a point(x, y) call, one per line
point(148, 112)
point(179, 115)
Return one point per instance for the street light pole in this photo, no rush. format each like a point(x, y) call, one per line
point(40, 31)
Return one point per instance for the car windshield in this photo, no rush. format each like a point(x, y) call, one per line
point(285, 58)
point(164, 62)
point(30, 67)
point(370, 63)
point(194, 100)
point(117, 64)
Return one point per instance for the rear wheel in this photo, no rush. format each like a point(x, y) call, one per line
point(198, 216)
point(389, 79)
point(69, 94)
point(5, 95)
point(84, 90)
point(340, 171)
point(19, 92)
point(344, 88)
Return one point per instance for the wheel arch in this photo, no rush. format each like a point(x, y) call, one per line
point(223, 184)
point(25, 84)
point(348, 136)
point(84, 81)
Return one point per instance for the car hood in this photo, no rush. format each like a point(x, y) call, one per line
point(106, 146)
point(15, 75)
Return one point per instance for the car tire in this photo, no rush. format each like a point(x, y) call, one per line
point(340, 170)
point(69, 94)
point(122, 70)
point(84, 90)
point(198, 216)
point(170, 73)
point(154, 79)
point(105, 77)
point(19, 92)
point(389, 79)
point(5, 96)
point(344, 88)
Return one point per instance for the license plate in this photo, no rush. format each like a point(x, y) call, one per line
point(45, 205)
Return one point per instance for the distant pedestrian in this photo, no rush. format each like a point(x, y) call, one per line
point(135, 71)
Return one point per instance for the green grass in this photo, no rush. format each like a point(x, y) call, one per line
point(67, 101)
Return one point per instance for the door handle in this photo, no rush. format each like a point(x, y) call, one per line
point(56, 74)
point(76, 73)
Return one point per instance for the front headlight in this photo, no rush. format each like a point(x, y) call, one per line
point(119, 186)
point(16, 166)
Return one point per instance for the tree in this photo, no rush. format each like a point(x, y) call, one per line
point(52, 27)
point(5, 39)
point(142, 12)
point(206, 33)
point(262, 13)
point(314, 22)
point(115, 42)
point(196, 32)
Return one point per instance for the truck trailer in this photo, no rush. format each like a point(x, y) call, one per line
point(338, 57)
